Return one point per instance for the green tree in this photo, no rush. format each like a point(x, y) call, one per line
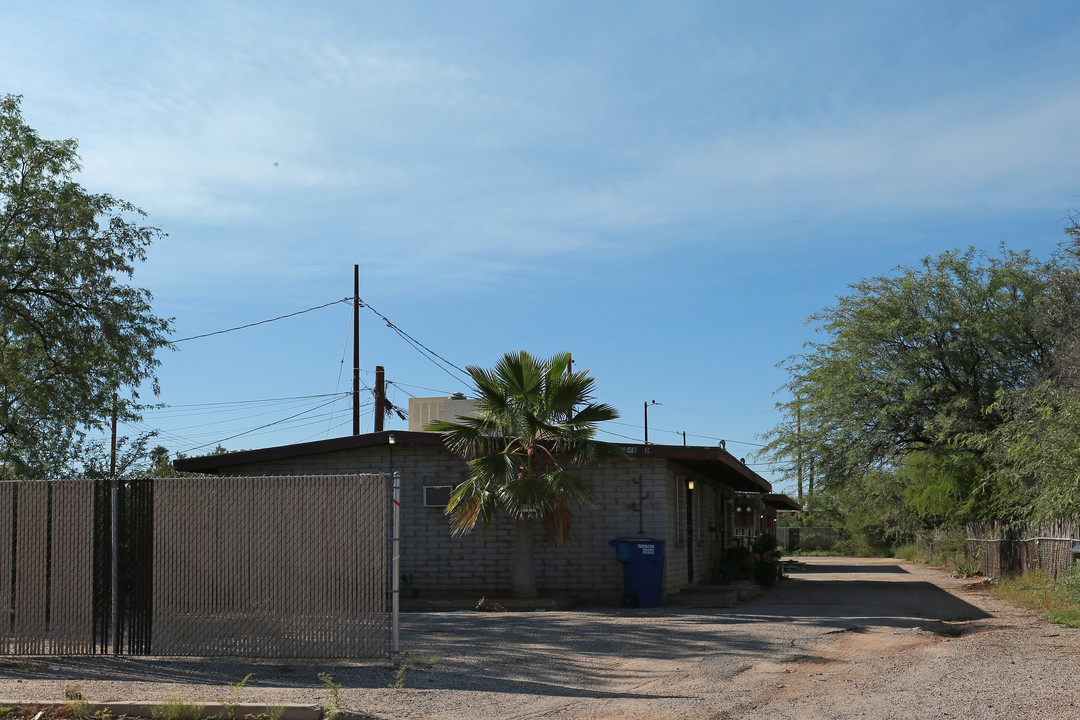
point(534, 419)
point(1035, 465)
point(134, 458)
point(915, 361)
point(72, 331)
point(943, 489)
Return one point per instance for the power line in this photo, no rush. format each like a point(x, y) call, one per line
point(263, 322)
point(419, 346)
point(719, 414)
point(680, 432)
point(419, 387)
point(624, 437)
point(261, 427)
point(248, 402)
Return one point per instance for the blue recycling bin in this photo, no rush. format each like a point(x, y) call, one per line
point(643, 569)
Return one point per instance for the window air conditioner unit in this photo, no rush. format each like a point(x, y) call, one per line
point(437, 495)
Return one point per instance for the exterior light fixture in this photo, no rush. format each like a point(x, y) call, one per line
point(690, 485)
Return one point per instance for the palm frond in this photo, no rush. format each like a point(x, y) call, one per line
point(530, 413)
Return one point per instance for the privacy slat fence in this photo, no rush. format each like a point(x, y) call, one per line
point(244, 566)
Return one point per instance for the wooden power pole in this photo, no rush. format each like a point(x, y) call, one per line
point(380, 397)
point(356, 352)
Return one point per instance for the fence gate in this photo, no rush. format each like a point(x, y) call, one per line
point(221, 566)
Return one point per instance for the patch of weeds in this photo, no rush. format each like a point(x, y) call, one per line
point(1034, 591)
point(7, 711)
point(1065, 618)
point(1056, 601)
point(28, 710)
point(275, 711)
point(1070, 580)
point(78, 708)
point(230, 701)
point(334, 705)
point(967, 568)
point(76, 705)
point(104, 714)
point(177, 708)
point(423, 660)
point(485, 606)
point(399, 677)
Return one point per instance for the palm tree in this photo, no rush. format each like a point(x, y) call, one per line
point(533, 417)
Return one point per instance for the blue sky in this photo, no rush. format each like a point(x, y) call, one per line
point(666, 190)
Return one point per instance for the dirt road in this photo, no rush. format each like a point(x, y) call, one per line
point(843, 639)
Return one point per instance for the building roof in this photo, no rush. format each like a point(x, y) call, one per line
point(713, 462)
point(780, 502)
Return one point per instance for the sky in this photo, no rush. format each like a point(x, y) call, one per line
point(665, 190)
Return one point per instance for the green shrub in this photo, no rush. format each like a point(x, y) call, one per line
point(1070, 580)
point(907, 551)
point(967, 568)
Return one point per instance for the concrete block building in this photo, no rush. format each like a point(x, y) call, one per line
point(682, 495)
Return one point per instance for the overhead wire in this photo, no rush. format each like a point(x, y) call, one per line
point(341, 369)
point(435, 358)
point(261, 427)
point(718, 414)
point(260, 322)
point(400, 384)
point(432, 356)
point(680, 432)
point(419, 346)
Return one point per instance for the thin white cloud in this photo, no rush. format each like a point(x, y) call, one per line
point(435, 158)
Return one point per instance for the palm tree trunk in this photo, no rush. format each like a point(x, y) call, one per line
point(524, 577)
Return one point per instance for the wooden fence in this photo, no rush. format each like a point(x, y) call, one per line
point(1011, 549)
point(236, 566)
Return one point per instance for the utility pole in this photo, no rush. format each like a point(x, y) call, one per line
point(380, 397)
point(798, 443)
point(356, 352)
point(647, 404)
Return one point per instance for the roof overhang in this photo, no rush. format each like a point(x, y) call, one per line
point(777, 501)
point(216, 463)
point(711, 462)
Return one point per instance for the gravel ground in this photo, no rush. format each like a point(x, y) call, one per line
point(845, 638)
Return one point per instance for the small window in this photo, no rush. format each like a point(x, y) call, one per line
point(437, 495)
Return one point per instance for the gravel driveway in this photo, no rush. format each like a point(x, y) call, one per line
point(846, 638)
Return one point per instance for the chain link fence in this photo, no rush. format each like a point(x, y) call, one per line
point(221, 566)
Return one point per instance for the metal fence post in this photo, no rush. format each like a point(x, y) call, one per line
point(115, 565)
point(395, 582)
